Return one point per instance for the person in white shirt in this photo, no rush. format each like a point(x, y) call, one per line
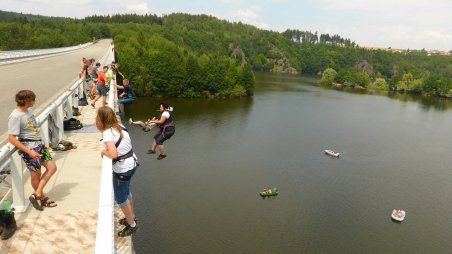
point(118, 147)
point(167, 130)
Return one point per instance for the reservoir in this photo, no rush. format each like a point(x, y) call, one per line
point(203, 198)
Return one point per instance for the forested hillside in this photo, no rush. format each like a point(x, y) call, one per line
point(183, 55)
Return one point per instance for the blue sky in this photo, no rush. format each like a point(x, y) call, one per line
point(414, 24)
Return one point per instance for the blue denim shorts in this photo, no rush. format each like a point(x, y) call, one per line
point(121, 188)
point(102, 90)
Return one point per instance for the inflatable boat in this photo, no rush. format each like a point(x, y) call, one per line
point(398, 215)
point(269, 193)
point(332, 153)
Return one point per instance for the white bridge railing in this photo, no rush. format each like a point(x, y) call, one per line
point(10, 159)
point(18, 54)
point(105, 238)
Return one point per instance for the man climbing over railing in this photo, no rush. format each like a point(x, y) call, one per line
point(23, 133)
point(102, 83)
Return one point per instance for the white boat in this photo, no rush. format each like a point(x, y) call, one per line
point(332, 153)
point(398, 215)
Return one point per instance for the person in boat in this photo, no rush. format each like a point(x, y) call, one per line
point(167, 130)
point(398, 213)
point(118, 147)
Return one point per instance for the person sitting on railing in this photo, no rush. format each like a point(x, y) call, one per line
point(84, 65)
point(118, 147)
point(23, 133)
point(115, 69)
point(125, 95)
point(92, 88)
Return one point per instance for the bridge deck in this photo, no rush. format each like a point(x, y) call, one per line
point(71, 226)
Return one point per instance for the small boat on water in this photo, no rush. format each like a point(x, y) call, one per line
point(398, 215)
point(332, 153)
point(269, 192)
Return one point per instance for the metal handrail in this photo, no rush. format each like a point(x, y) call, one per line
point(19, 54)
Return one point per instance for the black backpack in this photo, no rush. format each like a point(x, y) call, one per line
point(72, 124)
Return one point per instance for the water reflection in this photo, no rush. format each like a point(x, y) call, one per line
point(189, 111)
point(427, 102)
point(269, 82)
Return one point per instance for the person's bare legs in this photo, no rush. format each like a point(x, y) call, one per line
point(104, 101)
point(92, 91)
point(140, 123)
point(93, 103)
point(154, 145)
point(128, 212)
point(35, 179)
point(131, 206)
point(162, 149)
point(45, 177)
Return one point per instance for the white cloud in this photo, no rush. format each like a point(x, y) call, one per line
point(38, 1)
point(229, 1)
point(395, 23)
point(250, 15)
point(247, 14)
point(138, 7)
point(388, 5)
point(278, 1)
point(262, 25)
point(60, 2)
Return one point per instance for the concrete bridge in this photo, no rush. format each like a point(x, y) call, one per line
point(74, 225)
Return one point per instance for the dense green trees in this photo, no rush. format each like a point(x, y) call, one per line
point(186, 55)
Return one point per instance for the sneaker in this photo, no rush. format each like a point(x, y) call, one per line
point(123, 221)
point(161, 156)
point(127, 231)
point(150, 151)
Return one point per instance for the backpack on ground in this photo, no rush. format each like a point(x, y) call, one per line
point(72, 124)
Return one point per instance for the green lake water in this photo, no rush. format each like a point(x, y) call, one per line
point(203, 198)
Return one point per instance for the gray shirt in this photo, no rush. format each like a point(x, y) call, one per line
point(24, 126)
